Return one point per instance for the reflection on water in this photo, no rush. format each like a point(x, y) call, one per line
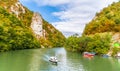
point(35, 61)
point(38, 60)
point(119, 60)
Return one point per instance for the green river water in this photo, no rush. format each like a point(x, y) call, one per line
point(38, 60)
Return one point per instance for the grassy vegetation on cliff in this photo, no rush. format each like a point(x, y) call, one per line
point(54, 38)
point(25, 18)
point(13, 34)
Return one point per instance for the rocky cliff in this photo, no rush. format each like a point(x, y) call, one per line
point(45, 33)
point(17, 9)
point(37, 25)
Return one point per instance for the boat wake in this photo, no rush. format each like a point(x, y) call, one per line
point(46, 58)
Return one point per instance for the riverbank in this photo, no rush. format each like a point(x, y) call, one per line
point(100, 43)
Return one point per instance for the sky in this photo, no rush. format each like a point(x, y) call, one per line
point(68, 16)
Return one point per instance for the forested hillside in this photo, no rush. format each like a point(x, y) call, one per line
point(16, 31)
point(13, 33)
point(54, 38)
point(101, 34)
point(108, 20)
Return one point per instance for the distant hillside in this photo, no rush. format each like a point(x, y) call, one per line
point(55, 37)
point(30, 29)
point(108, 20)
point(101, 35)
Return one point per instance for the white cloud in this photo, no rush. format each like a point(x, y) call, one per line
point(78, 13)
point(74, 14)
point(51, 2)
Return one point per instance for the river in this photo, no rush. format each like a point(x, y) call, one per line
point(38, 60)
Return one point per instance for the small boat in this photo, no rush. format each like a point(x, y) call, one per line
point(53, 60)
point(88, 54)
point(106, 55)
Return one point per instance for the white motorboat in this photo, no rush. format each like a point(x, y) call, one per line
point(53, 59)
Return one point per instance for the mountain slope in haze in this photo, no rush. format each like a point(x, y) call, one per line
point(34, 30)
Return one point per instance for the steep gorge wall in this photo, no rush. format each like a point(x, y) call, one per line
point(37, 25)
point(33, 21)
point(19, 11)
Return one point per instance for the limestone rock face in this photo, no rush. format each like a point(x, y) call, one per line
point(17, 9)
point(36, 25)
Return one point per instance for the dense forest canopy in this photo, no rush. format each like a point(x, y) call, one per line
point(99, 43)
point(13, 34)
